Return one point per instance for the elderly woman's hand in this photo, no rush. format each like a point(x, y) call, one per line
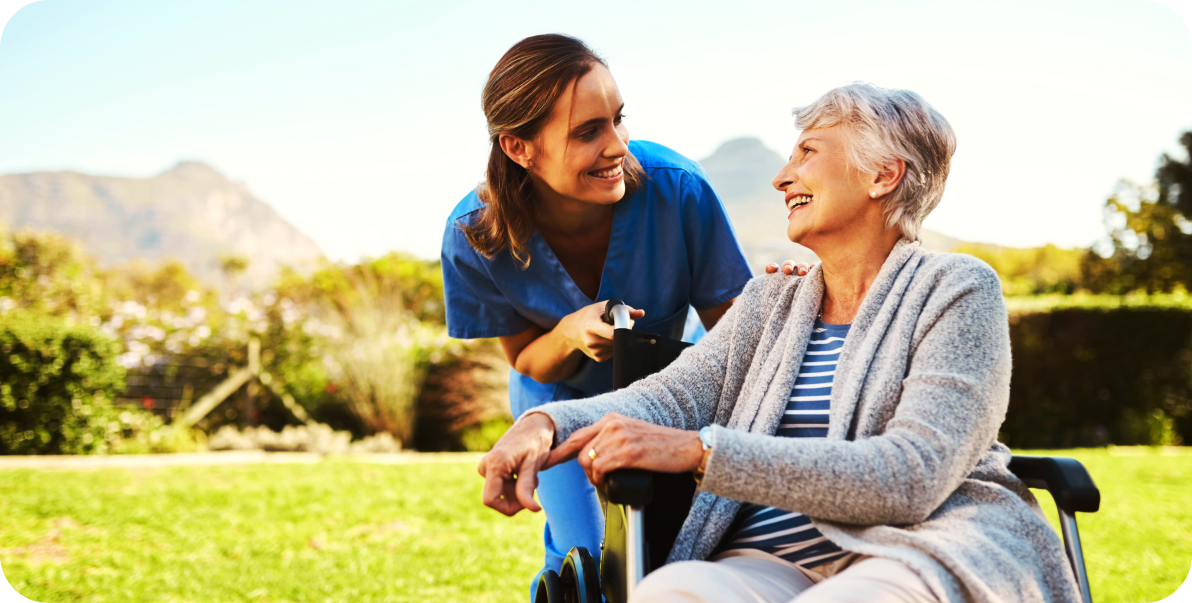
point(619, 442)
point(511, 468)
point(790, 267)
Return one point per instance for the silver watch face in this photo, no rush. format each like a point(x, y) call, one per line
point(705, 436)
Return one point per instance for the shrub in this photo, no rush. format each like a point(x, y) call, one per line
point(57, 381)
point(1091, 377)
point(464, 403)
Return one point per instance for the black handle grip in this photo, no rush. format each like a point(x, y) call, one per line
point(1068, 481)
point(608, 310)
point(632, 487)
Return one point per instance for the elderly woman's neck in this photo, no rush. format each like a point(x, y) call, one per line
point(850, 269)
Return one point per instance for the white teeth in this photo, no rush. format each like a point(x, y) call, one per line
point(612, 172)
point(797, 201)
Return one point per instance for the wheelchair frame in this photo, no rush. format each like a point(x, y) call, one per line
point(641, 507)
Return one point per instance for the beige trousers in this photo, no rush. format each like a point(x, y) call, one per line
point(752, 576)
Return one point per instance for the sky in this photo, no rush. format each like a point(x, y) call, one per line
point(360, 122)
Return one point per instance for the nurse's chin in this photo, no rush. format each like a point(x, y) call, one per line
point(605, 194)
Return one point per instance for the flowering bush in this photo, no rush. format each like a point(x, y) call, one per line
point(57, 381)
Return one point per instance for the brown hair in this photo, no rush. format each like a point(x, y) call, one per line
point(521, 92)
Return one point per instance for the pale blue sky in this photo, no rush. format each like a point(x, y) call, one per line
point(360, 121)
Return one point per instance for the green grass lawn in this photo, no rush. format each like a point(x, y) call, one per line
point(344, 531)
point(334, 531)
point(1138, 547)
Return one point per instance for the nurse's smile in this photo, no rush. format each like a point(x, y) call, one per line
point(612, 175)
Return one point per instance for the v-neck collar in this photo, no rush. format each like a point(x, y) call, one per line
point(615, 254)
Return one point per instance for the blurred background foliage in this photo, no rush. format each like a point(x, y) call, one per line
point(102, 360)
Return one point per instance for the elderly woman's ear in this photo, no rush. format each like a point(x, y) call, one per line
point(887, 179)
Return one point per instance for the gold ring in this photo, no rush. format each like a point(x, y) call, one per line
point(592, 454)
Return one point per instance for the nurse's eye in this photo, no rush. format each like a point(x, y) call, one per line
point(618, 118)
point(588, 134)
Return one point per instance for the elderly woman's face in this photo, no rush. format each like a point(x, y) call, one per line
point(824, 194)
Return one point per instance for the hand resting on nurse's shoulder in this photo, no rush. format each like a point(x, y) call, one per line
point(550, 356)
point(790, 267)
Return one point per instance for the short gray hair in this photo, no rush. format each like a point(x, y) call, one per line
point(882, 125)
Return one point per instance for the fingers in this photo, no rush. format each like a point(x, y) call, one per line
point(791, 267)
point(771, 268)
point(526, 483)
point(499, 494)
point(572, 446)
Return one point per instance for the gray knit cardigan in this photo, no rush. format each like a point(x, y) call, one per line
point(911, 469)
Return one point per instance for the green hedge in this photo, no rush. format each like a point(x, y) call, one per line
point(1091, 377)
point(57, 381)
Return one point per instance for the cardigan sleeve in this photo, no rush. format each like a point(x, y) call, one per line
point(954, 397)
point(685, 394)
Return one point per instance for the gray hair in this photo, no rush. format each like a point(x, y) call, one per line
point(882, 125)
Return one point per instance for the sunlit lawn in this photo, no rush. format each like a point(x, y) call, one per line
point(334, 531)
point(1138, 547)
point(344, 531)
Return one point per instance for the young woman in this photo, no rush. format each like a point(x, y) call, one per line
point(571, 214)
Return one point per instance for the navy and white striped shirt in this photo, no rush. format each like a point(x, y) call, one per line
point(783, 533)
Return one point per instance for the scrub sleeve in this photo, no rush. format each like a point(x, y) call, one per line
point(672, 249)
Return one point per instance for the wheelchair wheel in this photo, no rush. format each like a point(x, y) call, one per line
point(579, 578)
point(549, 590)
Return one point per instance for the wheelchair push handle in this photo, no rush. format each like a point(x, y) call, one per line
point(616, 313)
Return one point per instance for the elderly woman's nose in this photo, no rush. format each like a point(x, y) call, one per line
point(784, 179)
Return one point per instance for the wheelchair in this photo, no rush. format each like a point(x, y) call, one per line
point(644, 510)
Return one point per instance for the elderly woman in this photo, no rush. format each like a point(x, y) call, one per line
point(842, 425)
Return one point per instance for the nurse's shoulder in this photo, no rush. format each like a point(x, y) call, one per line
point(675, 180)
point(466, 211)
point(655, 157)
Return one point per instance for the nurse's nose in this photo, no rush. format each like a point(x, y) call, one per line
point(618, 145)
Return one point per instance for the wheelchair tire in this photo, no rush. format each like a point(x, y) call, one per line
point(579, 578)
point(549, 589)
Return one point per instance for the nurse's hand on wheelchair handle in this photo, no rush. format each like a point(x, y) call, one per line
point(511, 468)
point(622, 442)
point(587, 332)
point(790, 267)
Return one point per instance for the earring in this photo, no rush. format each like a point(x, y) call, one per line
point(872, 195)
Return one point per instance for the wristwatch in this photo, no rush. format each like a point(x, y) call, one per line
point(705, 438)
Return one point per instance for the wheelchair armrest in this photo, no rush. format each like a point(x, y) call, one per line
point(631, 487)
point(1069, 483)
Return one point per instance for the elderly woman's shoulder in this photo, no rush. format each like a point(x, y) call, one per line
point(767, 286)
point(959, 267)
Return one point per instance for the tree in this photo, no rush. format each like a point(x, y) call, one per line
point(1150, 234)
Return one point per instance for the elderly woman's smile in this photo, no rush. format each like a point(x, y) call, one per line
point(827, 196)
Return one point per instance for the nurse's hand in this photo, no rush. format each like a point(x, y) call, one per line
point(511, 468)
point(789, 267)
point(586, 331)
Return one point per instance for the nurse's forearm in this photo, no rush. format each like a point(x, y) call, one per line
point(711, 316)
point(544, 356)
point(549, 358)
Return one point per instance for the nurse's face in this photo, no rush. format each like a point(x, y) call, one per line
point(579, 153)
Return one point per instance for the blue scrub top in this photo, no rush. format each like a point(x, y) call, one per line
point(671, 247)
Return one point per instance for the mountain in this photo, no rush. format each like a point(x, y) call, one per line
point(741, 171)
point(190, 212)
